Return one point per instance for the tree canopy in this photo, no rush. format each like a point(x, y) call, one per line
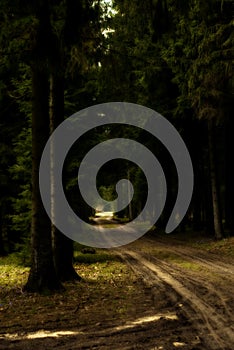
point(58, 57)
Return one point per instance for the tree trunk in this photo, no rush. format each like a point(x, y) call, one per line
point(42, 277)
point(197, 204)
point(229, 176)
point(208, 212)
point(198, 193)
point(2, 248)
point(63, 256)
point(214, 185)
point(63, 246)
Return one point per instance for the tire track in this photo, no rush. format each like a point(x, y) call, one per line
point(218, 328)
point(223, 293)
point(196, 255)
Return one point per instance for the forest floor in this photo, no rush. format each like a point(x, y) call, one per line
point(160, 292)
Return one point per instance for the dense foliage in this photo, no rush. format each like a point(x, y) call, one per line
point(173, 56)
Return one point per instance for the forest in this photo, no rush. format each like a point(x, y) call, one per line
point(58, 57)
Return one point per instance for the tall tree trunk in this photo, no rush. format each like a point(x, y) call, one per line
point(198, 164)
point(208, 212)
point(2, 248)
point(197, 202)
point(63, 246)
point(218, 230)
point(229, 176)
point(42, 277)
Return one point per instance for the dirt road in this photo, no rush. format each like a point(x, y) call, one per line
point(154, 294)
point(201, 284)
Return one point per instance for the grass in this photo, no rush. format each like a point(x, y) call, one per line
point(224, 247)
point(12, 273)
point(200, 240)
point(177, 259)
point(92, 258)
point(99, 295)
point(192, 266)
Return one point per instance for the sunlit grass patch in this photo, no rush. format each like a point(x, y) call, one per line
point(12, 274)
point(177, 260)
point(103, 271)
point(190, 265)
